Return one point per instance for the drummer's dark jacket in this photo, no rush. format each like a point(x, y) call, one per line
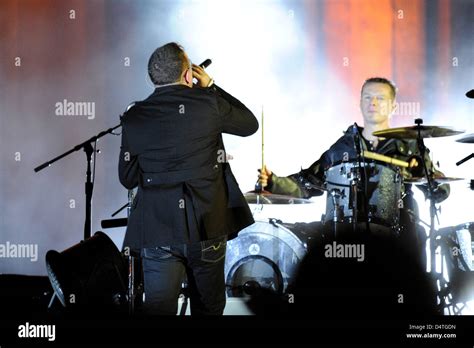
point(302, 184)
point(172, 149)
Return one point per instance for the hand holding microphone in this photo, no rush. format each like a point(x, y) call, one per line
point(203, 79)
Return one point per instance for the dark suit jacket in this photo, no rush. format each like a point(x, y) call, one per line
point(172, 150)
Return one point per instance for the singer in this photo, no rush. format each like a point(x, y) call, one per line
point(188, 203)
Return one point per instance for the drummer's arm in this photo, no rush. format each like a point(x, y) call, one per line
point(298, 184)
point(284, 186)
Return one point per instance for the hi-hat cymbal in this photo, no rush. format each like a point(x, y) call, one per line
point(467, 139)
point(411, 132)
point(424, 181)
point(269, 198)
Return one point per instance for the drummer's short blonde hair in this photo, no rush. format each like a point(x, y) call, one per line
point(392, 85)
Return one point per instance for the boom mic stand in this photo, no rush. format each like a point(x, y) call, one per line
point(89, 185)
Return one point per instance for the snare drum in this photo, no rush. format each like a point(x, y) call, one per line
point(383, 191)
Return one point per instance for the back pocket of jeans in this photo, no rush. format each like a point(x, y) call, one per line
point(213, 250)
point(158, 253)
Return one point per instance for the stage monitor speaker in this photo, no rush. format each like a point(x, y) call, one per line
point(90, 274)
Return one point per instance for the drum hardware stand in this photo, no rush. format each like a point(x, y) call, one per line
point(275, 222)
point(433, 213)
point(465, 159)
point(354, 189)
point(131, 293)
point(444, 293)
point(356, 182)
point(417, 218)
point(336, 195)
point(89, 185)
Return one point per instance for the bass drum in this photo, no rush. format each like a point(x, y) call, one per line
point(266, 255)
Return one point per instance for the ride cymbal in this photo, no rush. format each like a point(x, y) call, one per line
point(411, 132)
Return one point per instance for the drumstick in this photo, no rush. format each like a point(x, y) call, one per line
point(258, 185)
point(386, 159)
point(263, 157)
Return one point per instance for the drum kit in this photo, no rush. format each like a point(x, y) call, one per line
point(267, 253)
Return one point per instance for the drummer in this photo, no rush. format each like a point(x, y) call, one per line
point(376, 104)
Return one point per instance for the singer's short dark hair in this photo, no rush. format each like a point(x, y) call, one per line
point(167, 63)
point(384, 80)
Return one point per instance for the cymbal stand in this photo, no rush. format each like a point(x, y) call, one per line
point(354, 188)
point(357, 179)
point(465, 159)
point(433, 210)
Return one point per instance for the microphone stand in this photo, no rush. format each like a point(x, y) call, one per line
point(89, 185)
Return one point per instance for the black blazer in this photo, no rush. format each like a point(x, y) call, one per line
point(172, 150)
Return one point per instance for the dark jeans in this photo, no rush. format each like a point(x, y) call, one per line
point(164, 270)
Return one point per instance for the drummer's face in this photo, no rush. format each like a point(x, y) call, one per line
point(376, 103)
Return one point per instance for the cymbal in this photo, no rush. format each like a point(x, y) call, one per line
point(424, 181)
point(411, 132)
point(269, 198)
point(467, 139)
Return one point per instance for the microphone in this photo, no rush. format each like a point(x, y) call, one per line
point(132, 104)
point(470, 94)
point(129, 106)
point(206, 63)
